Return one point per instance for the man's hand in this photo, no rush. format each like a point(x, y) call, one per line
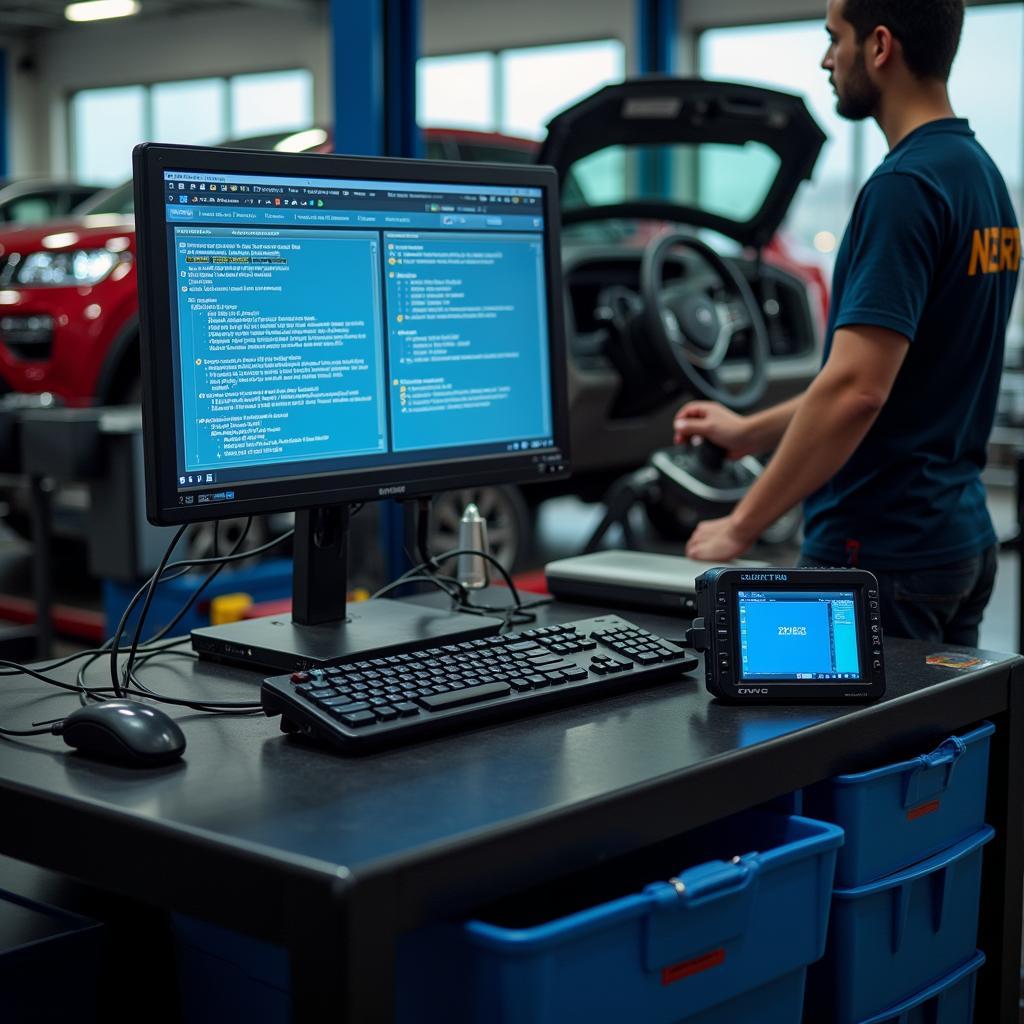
point(718, 540)
point(715, 423)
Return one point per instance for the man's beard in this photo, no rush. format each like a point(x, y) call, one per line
point(859, 97)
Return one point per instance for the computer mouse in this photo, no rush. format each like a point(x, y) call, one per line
point(126, 731)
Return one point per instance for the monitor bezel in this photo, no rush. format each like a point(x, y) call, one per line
point(150, 161)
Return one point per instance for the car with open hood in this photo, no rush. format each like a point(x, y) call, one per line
point(652, 318)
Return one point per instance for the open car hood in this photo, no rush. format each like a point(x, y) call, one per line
point(661, 114)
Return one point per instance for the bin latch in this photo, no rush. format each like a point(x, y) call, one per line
point(701, 909)
point(925, 780)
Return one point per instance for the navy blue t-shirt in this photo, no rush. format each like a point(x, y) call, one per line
point(933, 252)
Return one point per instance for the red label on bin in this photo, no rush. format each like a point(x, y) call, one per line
point(704, 962)
point(919, 812)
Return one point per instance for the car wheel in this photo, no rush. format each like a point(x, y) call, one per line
point(504, 509)
point(200, 538)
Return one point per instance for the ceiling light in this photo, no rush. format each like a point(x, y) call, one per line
point(98, 10)
point(301, 141)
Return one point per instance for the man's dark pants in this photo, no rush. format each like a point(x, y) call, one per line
point(942, 603)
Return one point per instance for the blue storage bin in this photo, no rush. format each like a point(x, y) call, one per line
point(896, 936)
point(726, 941)
point(224, 975)
point(897, 815)
point(49, 963)
point(949, 1001)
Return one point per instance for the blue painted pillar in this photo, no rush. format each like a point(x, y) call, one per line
point(656, 36)
point(4, 116)
point(656, 55)
point(375, 45)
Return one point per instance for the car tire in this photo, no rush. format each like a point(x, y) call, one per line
point(509, 524)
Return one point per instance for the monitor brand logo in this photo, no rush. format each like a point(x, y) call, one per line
point(764, 577)
point(393, 489)
point(746, 691)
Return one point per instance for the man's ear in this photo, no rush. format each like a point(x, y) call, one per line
point(881, 47)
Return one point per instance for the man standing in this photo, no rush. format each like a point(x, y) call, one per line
point(887, 444)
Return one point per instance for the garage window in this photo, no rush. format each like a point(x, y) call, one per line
point(106, 123)
point(514, 91)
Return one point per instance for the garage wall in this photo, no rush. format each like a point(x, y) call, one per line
point(453, 26)
point(697, 14)
point(219, 43)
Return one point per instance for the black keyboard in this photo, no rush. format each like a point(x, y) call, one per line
point(385, 701)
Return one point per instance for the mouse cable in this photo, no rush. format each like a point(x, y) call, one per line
point(151, 593)
point(148, 588)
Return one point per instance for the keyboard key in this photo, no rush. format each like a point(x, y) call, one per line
point(359, 719)
point(327, 691)
point(351, 708)
point(471, 695)
point(523, 645)
point(386, 713)
point(522, 685)
point(648, 658)
point(574, 674)
point(407, 709)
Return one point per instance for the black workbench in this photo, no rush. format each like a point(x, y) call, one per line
point(334, 857)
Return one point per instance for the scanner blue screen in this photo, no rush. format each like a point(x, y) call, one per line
point(801, 635)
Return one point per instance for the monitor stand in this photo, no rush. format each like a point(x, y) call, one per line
point(323, 629)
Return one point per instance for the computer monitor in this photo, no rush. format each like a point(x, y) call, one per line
point(321, 330)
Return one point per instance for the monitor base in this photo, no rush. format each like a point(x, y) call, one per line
point(370, 629)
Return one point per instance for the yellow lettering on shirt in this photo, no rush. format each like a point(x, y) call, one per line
point(994, 250)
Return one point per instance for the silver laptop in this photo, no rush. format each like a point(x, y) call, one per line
point(634, 579)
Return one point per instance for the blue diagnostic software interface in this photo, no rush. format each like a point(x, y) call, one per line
point(326, 324)
point(801, 635)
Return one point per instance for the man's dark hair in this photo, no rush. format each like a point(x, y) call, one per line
point(929, 30)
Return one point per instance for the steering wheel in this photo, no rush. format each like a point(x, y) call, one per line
point(692, 324)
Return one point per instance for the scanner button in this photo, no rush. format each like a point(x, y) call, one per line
point(300, 677)
point(722, 618)
point(876, 665)
point(872, 593)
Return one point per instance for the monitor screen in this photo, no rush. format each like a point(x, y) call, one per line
point(788, 635)
point(321, 329)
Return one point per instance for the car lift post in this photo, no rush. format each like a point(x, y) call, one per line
point(375, 44)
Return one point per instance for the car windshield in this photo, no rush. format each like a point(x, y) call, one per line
point(120, 200)
point(726, 180)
